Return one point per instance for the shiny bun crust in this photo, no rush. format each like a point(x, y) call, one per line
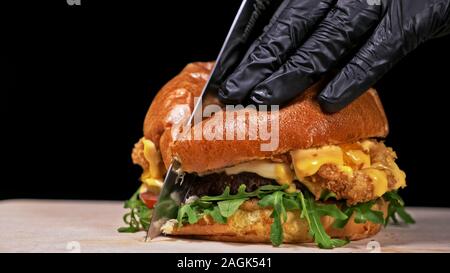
point(251, 224)
point(180, 90)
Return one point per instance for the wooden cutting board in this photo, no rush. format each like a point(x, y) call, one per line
point(91, 226)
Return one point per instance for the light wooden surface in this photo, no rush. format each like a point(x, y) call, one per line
point(90, 226)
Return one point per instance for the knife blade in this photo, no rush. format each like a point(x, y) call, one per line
point(173, 189)
point(169, 199)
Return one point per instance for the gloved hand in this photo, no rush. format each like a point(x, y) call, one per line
point(306, 38)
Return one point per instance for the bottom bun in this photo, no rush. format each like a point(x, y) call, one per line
point(251, 224)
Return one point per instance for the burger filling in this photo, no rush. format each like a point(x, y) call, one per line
point(339, 181)
point(356, 173)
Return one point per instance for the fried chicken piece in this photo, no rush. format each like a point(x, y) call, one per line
point(358, 188)
point(138, 155)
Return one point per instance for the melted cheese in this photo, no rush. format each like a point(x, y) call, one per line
point(153, 158)
point(399, 175)
point(367, 145)
point(307, 162)
point(346, 170)
point(379, 180)
point(153, 175)
point(358, 158)
point(265, 168)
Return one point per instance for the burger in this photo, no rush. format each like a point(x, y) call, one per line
point(330, 179)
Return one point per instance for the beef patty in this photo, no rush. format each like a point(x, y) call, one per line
point(215, 183)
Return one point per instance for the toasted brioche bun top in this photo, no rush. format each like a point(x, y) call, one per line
point(302, 125)
point(181, 90)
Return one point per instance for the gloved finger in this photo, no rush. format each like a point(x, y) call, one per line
point(393, 39)
point(254, 19)
point(344, 27)
point(288, 28)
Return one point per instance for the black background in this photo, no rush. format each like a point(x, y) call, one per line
point(79, 80)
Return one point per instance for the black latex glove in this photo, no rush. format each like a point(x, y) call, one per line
point(306, 38)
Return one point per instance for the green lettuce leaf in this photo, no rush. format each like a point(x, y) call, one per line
point(138, 218)
point(229, 207)
point(222, 206)
point(316, 229)
point(260, 192)
point(276, 200)
point(330, 210)
point(187, 212)
point(216, 215)
point(362, 213)
point(276, 229)
point(396, 207)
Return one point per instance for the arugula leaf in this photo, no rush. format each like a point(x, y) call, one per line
point(215, 214)
point(224, 196)
point(276, 229)
point(222, 206)
point(276, 201)
point(393, 196)
point(291, 203)
point(330, 210)
point(340, 223)
point(226, 205)
point(362, 213)
point(186, 211)
point(145, 216)
point(261, 191)
point(266, 201)
point(267, 189)
point(229, 207)
point(396, 207)
point(406, 217)
point(312, 211)
point(138, 218)
point(278, 204)
point(316, 229)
